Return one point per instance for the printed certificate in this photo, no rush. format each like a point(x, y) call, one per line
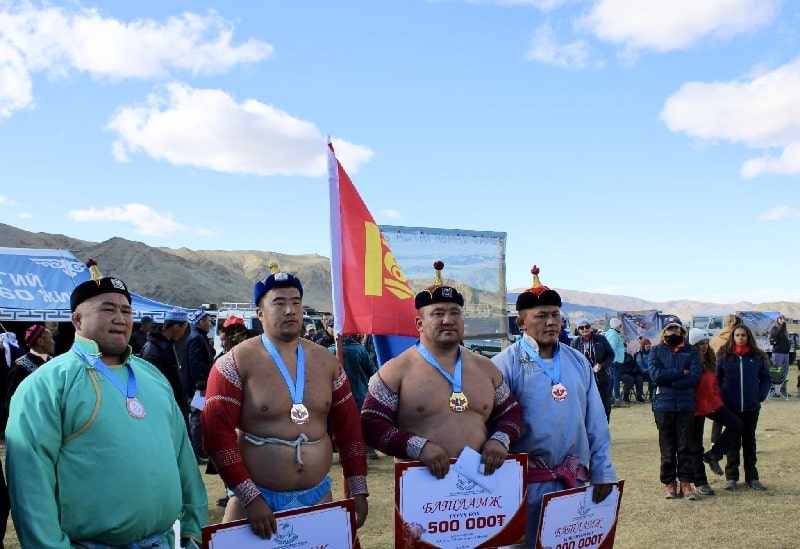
point(456, 512)
point(325, 525)
point(571, 521)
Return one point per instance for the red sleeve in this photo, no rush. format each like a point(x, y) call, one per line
point(347, 435)
point(219, 420)
point(379, 422)
point(506, 416)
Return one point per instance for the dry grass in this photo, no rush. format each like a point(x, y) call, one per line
point(740, 519)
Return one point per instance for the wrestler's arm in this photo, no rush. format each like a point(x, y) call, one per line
point(506, 418)
point(219, 419)
point(347, 435)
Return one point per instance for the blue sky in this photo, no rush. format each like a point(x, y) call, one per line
point(626, 147)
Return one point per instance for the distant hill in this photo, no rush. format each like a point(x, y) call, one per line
point(189, 278)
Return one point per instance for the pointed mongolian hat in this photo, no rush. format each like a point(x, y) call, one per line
point(438, 292)
point(538, 294)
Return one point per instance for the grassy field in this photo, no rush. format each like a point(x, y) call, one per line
point(729, 519)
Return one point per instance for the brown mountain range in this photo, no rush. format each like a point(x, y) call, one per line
point(188, 278)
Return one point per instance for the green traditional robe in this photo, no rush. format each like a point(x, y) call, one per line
point(80, 467)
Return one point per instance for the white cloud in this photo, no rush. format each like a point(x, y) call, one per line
point(761, 112)
point(677, 24)
point(209, 129)
point(779, 213)
point(5, 201)
point(56, 40)
point(545, 48)
point(144, 219)
point(391, 214)
point(25, 215)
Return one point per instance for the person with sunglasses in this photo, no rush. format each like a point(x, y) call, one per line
point(600, 355)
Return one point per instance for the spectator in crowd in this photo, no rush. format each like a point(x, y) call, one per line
point(195, 366)
point(614, 337)
point(675, 369)
point(326, 338)
point(159, 350)
point(600, 355)
point(744, 381)
point(564, 336)
point(96, 448)
point(564, 435)
point(39, 340)
point(459, 392)
point(719, 340)
point(233, 331)
point(359, 369)
point(632, 379)
point(268, 404)
point(311, 332)
point(708, 403)
point(9, 352)
point(139, 337)
point(779, 339)
point(641, 357)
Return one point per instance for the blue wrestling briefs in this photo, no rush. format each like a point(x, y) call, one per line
point(283, 501)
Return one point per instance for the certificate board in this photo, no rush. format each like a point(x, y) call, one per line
point(456, 512)
point(325, 525)
point(570, 520)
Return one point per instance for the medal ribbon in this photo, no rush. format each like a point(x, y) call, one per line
point(555, 373)
point(100, 366)
point(297, 388)
point(455, 380)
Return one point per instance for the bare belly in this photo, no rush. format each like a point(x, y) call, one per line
point(453, 431)
point(276, 466)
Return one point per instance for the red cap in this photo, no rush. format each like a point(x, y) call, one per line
point(232, 321)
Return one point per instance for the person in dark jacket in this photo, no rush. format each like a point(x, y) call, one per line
point(779, 339)
point(600, 355)
point(196, 364)
point(39, 340)
point(642, 357)
point(632, 379)
point(744, 382)
point(675, 368)
point(159, 350)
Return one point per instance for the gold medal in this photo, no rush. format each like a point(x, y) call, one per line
point(298, 414)
point(559, 392)
point(458, 402)
point(135, 408)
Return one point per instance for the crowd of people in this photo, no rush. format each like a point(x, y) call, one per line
point(267, 411)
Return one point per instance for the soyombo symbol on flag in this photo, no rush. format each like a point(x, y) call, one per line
point(370, 292)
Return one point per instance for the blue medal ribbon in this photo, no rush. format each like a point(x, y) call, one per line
point(297, 388)
point(455, 380)
point(555, 373)
point(97, 363)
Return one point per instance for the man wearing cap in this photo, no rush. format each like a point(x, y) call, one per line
point(675, 369)
point(195, 366)
point(139, 337)
point(96, 448)
point(268, 405)
point(435, 398)
point(565, 432)
point(39, 340)
point(160, 351)
point(600, 355)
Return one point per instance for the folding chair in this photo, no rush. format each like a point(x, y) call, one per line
point(779, 375)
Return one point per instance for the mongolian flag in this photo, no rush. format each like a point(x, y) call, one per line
point(370, 293)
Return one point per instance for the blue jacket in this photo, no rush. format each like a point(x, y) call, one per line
point(615, 340)
point(196, 364)
point(675, 392)
point(744, 382)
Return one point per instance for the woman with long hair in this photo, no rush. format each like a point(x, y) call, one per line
point(708, 403)
point(744, 382)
